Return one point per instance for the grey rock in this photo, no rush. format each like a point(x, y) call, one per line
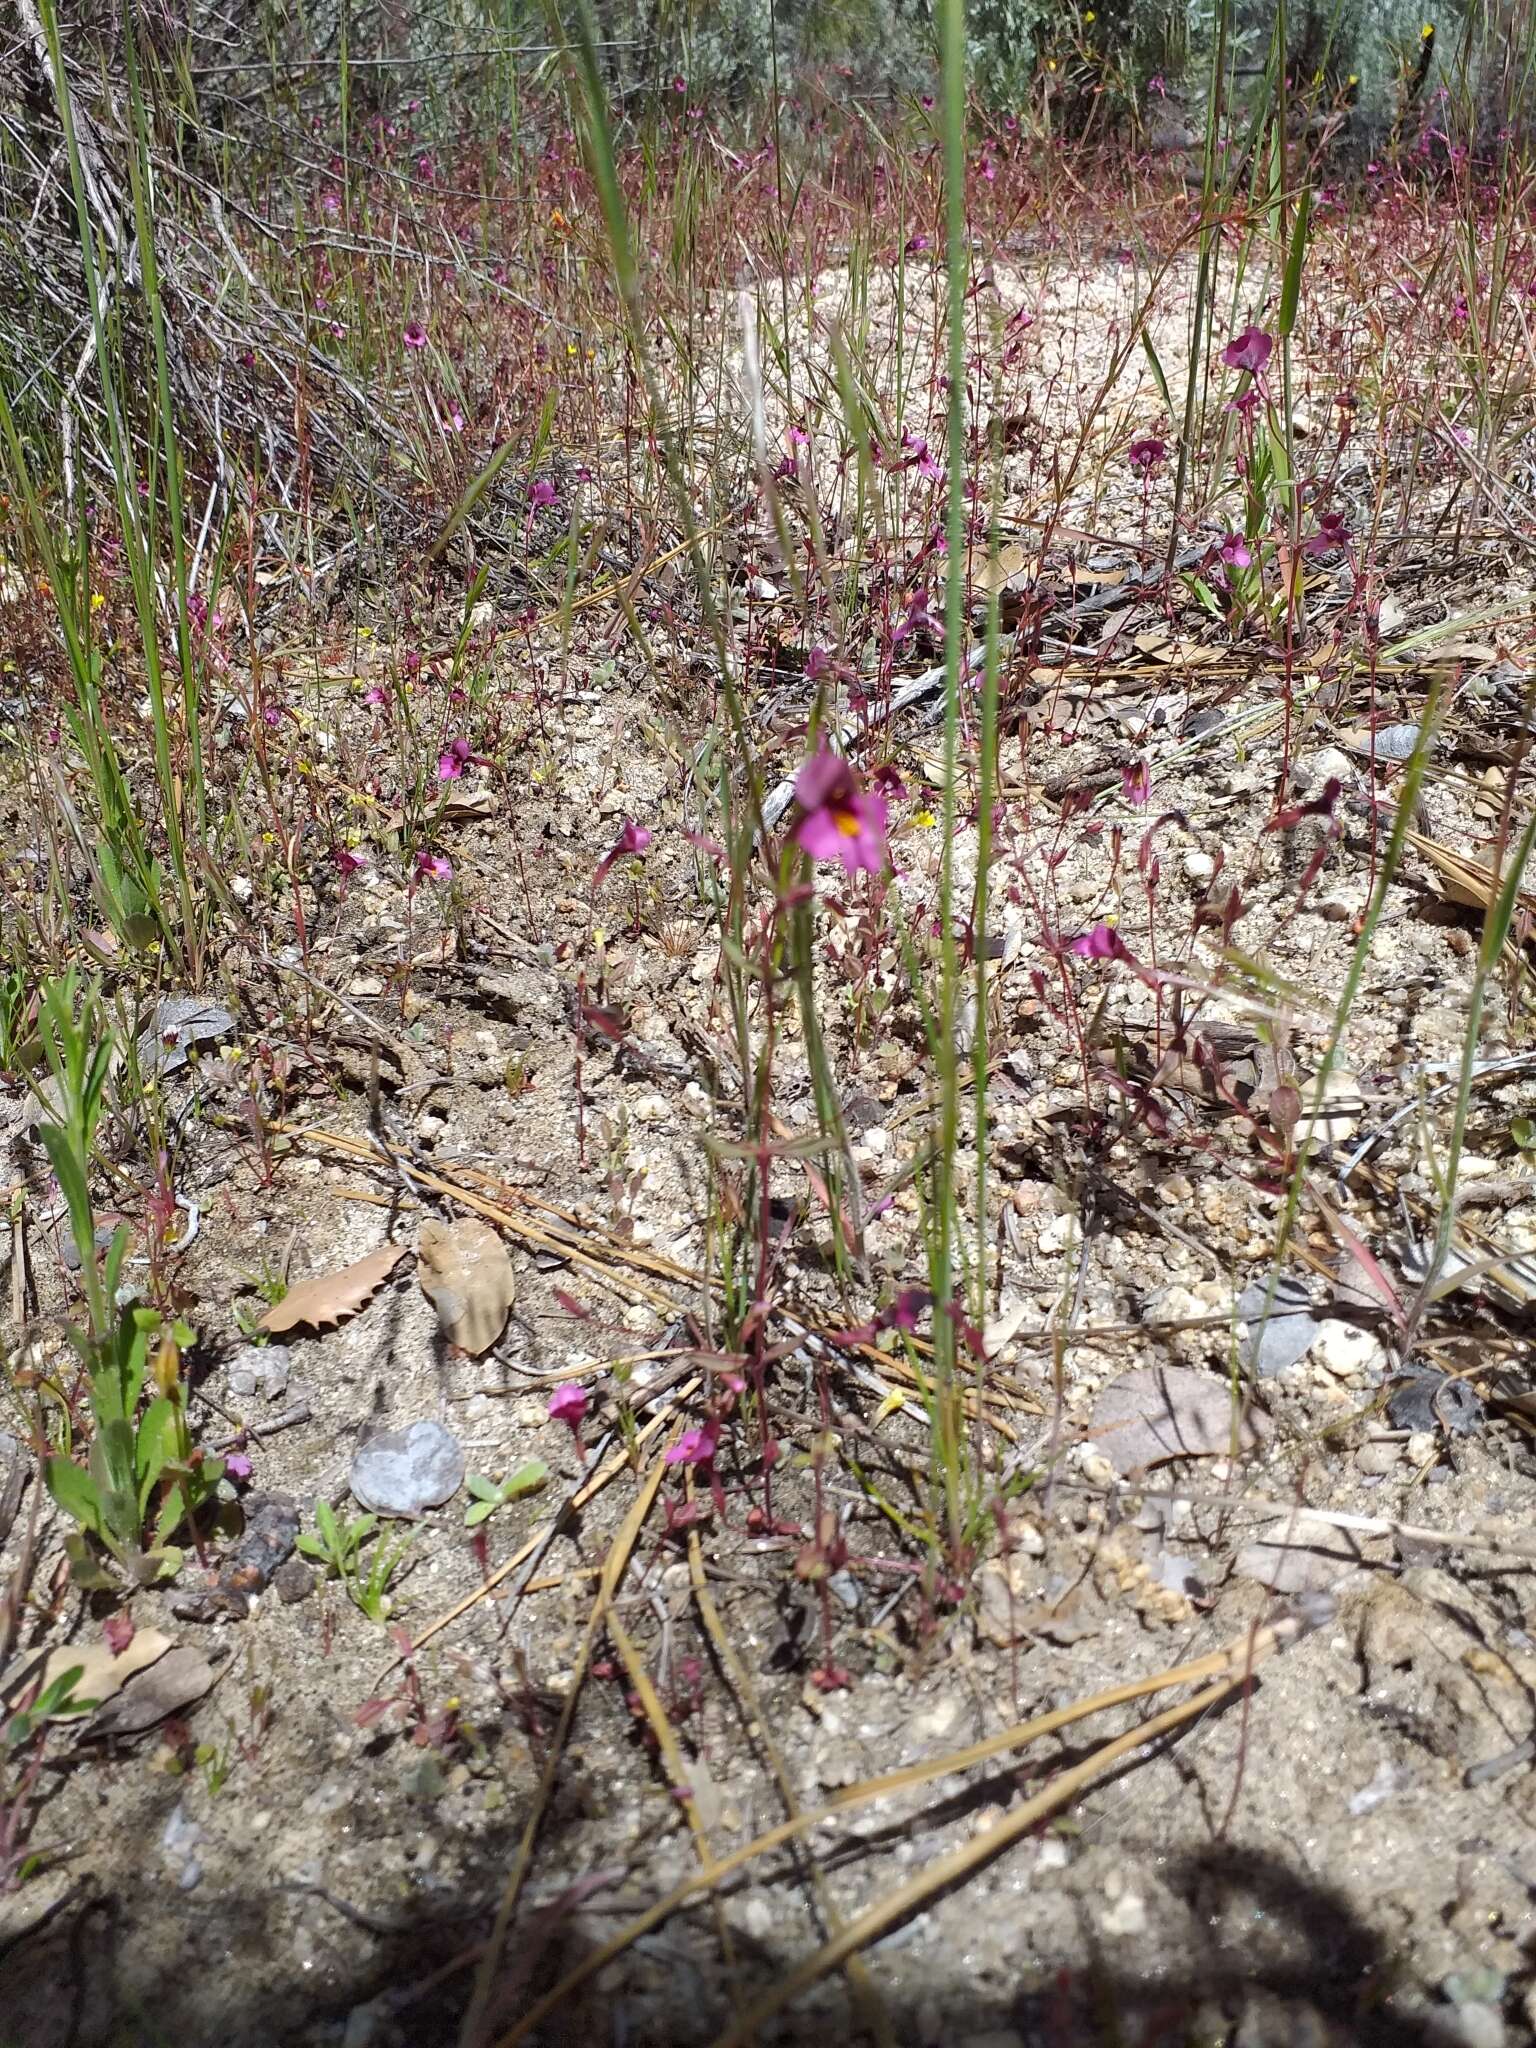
point(260, 1369)
point(406, 1471)
point(293, 1582)
point(1426, 1400)
point(178, 1023)
point(1281, 1339)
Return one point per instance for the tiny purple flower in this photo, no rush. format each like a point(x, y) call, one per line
point(453, 760)
point(415, 335)
point(841, 821)
point(695, 1446)
point(1251, 351)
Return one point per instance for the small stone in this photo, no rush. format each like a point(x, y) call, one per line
point(1348, 1353)
point(1055, 1235)
point(429, 1125)
point(1423, 1448)
point(1127, 1916)
point(406, 1471)
point(877, 1141)
point(651, 1109)
point(366, 985)
point(1199, 868)
point(293, 1582)
point(260, 1369)
point(1480, 2026)
point(1376, 1459)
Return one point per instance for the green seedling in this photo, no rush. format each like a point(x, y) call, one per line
point(339, 1547)
point(489, 1495)
point(56, 1702)
point(142, 1479)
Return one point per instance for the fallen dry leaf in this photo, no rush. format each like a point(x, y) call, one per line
point(171, 1684)
point(1170, 1411)
point(101, 1673)
point(320, 1304)
point(467, 1276)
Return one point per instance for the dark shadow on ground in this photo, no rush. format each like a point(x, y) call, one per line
point(1287, 1962)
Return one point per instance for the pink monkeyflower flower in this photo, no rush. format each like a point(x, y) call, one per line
point(919, 457)
point(679, 83)
point(903, 1312)
point(1146, 452)
point(1236, 553)
point(415, 335)
point(237, 1466)
point(918, 618)
point(1331, 533)
point(453, 760)
point(331, 201)
point(1103, 942)
point(632, 839)
point(695, 1446)
point(433, 867)
point(1136, 785)
point(841, 821)
point(887, 780)
point(569, 1404)
point(541, 491)
point(918, 244)
point(424, 169)
point(376, 695)
point(1246, 402)
point(1251, 351)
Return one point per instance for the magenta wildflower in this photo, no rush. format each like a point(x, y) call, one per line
point(1146, 453)
point(632, 839)
point(1331, 533)
point(917, 618)
point(1136, 784)
point(350, 862)
point(569, 1404)
point(541, 491)
point(1236, 553)
point(695, 1446)
point(433, 867)
point(904, 1311)
point(1102, 943)
point(1251, 351)
point(375, 695)
point(918, 457)
point(918, 244)
point(453, 760)
point(415, 335)
point(841, 821)
point(237, 1466)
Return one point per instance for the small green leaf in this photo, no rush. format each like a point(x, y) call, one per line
point(528, 1478)
point(481, 1511)
point(75, 1492)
